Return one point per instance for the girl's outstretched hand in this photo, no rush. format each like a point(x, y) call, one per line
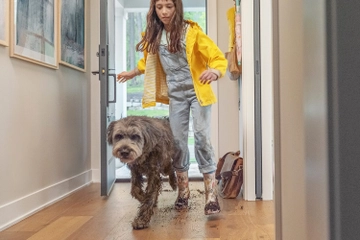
point(208, 76)
point(124, 76)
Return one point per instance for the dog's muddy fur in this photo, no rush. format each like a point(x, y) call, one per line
point(146, 145)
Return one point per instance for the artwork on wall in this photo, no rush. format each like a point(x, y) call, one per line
point(72, 33)
point(4, 22)
point(33, 26)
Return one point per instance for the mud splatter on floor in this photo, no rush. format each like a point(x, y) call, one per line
point(166, 213)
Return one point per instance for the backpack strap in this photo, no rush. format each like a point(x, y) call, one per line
point(236, 167)
point(226, 163)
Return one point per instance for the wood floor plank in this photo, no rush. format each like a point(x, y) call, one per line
point(15, 235)
point(62, 228)
point(200, 239)
point(109, 218)
point(43, 218)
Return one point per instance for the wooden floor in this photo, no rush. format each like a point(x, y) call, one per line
point(85, 215)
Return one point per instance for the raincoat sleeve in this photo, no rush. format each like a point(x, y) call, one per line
point(211, 53)
point(141, 65)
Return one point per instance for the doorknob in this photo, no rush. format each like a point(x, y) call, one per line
point(98, 72)
point(102, 71)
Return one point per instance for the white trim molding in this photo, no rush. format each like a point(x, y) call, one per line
point(267, 102)
point(247, 23)
point(19, 209)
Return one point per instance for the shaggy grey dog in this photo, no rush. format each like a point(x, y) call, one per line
point(146, 145)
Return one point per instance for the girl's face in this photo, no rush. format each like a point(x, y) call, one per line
point(165, 10)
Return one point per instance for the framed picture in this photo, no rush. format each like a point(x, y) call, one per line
point(33, 31)
point(4, 22)
point(72, 34)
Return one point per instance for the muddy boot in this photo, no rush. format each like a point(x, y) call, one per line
point(183, 191)
point(211, 201)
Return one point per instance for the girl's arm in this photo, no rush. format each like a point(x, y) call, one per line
point(213, 56)
point(124, 76)
point(140, 69)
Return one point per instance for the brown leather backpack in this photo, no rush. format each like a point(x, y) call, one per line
point(229, 174)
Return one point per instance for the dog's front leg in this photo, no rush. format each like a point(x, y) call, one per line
point(137, 182)
point(146, 210)
point(169, 170)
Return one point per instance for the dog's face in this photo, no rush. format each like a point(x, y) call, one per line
point(127, 141)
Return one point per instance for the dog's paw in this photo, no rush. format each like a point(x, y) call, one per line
point(139, 224)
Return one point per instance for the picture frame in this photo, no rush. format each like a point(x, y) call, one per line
point(33, 31)
point(72, 34)
point(4, 22)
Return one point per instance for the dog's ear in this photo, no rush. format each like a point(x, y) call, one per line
point(110, 130)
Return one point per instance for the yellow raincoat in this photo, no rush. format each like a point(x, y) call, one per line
point(202, 54)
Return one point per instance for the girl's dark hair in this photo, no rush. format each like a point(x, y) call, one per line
point(151, 39)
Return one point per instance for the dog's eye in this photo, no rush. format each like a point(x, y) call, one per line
point(135, 137)
point(118, 137)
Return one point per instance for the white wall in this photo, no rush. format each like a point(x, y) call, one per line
point(301, 127)
point(212, 32)
point(289, 122)
point(44, 135)
point(316, 122)
point(227, 90)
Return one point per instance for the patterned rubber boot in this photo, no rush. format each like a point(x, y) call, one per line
point(183, 191)
point(211, 201)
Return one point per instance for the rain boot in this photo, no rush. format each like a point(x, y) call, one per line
point(211, 201)
point(183, 191)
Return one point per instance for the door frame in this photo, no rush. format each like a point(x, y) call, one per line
point(108, 175)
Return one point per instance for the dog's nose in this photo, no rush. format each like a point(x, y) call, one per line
point(124, 152)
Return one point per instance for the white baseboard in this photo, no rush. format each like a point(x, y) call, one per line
point(19, 209)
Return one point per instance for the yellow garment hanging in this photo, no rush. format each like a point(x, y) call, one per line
point(231, 22)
